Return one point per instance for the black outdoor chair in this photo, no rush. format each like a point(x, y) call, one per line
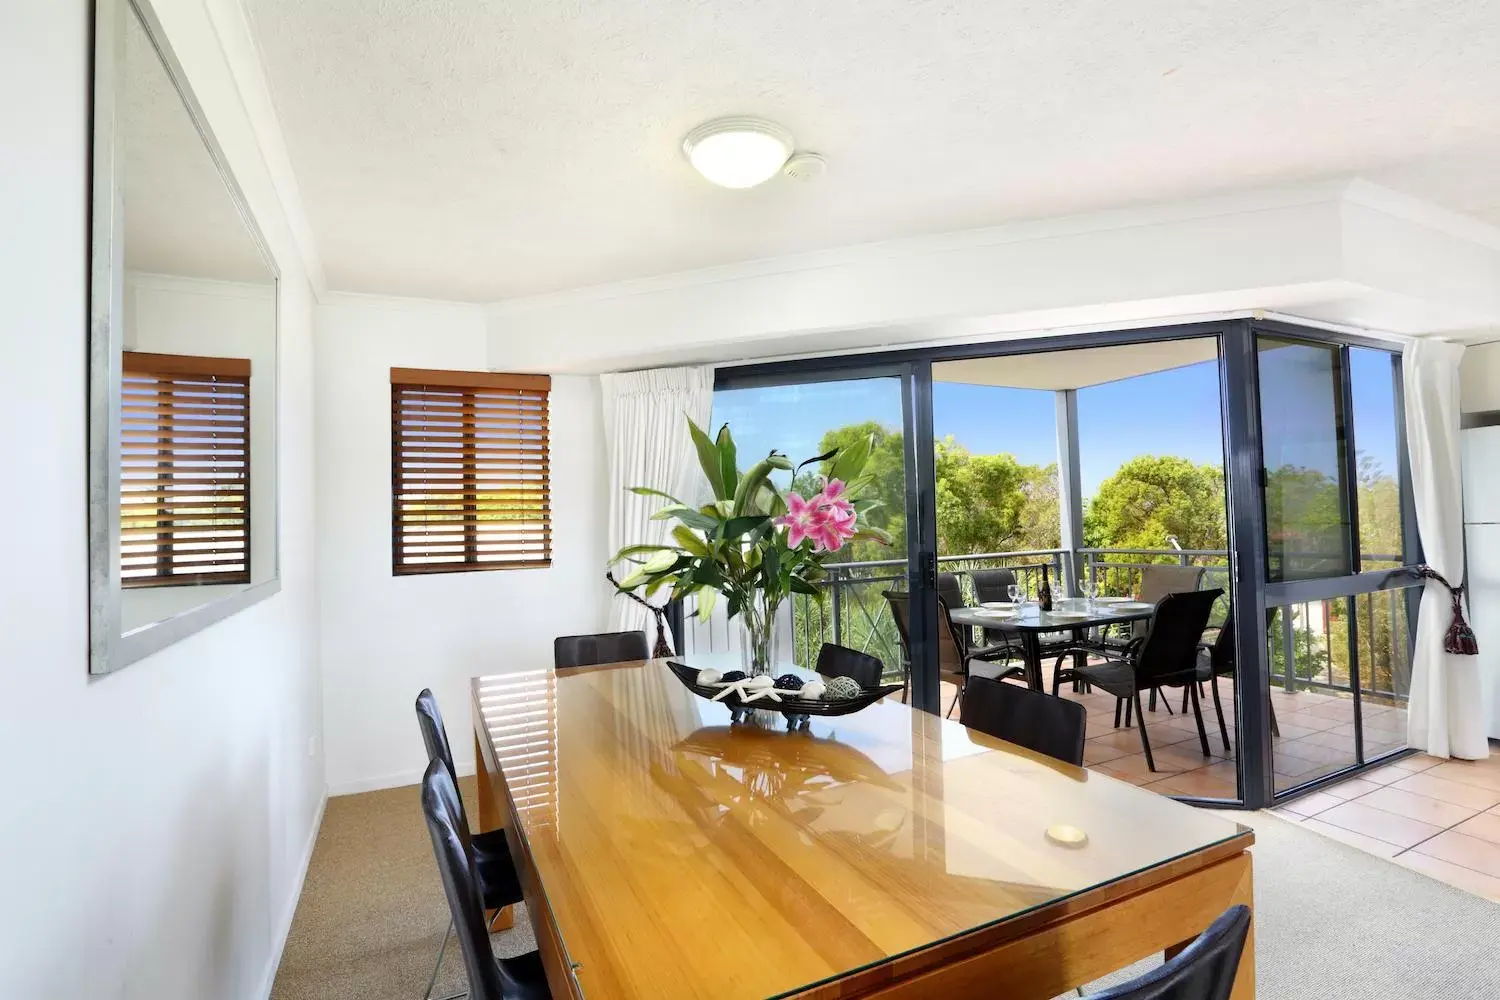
point(1166, 656)
point(954, 655)
point(949, 590)
point(841, 661)
point(992, 585)
point(1204, 970)
point(1215, 660)
point(499, 885)
point(1041, 722)
point(520, 978)
point(591, 650)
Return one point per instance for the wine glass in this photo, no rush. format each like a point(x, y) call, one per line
point(1091, 591)
point(1015, 592)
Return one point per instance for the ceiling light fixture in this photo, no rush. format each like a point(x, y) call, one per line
point(738, 152)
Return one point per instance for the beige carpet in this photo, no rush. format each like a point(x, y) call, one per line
point(1332, 922)
point(372, 913)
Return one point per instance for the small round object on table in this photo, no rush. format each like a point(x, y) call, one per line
point(1067, 836)
point(758, 683)
point(812, 690)
point(709, 675)
point(732, 676)
point(788, 682)
point(839, 688)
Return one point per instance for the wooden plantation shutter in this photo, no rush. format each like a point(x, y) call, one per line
point(470, 478)
point(184, 470)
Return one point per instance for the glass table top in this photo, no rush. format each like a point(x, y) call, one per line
point(684, 857)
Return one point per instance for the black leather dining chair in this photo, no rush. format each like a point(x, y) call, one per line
point(605, 647)
point(1166, 656)
point(954, 655)
point(1040, 722)
point(499, 885)
point(520, 978)
point(1204, 970)
point(841, 661)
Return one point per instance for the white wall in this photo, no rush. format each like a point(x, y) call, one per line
point(1480, 379)
point(384, 638)
point(156, 821)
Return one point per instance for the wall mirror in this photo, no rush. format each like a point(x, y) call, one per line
point(182, 361)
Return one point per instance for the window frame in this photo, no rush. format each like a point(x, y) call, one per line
point(171, 370)
point(470, 390)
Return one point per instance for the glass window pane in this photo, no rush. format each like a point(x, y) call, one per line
point(1313, 701)
point(1372, 382)
point(1302, 430)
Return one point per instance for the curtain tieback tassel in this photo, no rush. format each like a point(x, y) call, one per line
point(662, 647)
point(1459, 638)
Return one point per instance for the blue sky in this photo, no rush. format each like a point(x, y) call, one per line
point(1165, 413)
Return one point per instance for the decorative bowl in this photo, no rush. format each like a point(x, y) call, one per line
point(798, 710)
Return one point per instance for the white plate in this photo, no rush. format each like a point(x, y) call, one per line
point(995, 613)
point(1065, 615)
point(1112, 600)
point(1134, 605)
point(997, 605)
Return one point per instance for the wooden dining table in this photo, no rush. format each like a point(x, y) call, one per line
point(666, 853)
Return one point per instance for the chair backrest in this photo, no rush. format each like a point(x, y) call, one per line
point(841, 661)
point(1036, 721)
point(1204, 970)
point(443, 809)
point(950, 660)
point(1159, 581)
point(992, 584)
point(949, 590)
point(900, 604)
point(1221, 653)
point(1170, 649)
point(435, 736)
point(606, 647)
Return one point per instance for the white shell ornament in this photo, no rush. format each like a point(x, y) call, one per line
point(709, 676)
point(758, 682)
point(840, 689)
point(812, 690)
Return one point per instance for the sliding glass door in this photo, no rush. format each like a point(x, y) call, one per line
point(866, 603)
point(1338, 602)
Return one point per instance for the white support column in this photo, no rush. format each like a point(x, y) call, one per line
point(1069, 486)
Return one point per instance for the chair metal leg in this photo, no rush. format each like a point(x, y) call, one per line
point(432, 979)
point(1198, 718)
point(962, 683)
point(1140, 718)
point(1119, 704)
point(1219, 711)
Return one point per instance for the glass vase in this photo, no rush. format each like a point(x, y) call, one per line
point(759, 641)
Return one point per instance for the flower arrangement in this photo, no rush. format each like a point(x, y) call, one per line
point(753, 543)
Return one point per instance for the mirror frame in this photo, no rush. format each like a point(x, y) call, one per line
point(110, 649)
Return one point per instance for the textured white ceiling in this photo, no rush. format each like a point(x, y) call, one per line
point(179, 217)
point(474, 150)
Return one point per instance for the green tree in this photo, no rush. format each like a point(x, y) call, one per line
point(992, 503)
point(1153, 497)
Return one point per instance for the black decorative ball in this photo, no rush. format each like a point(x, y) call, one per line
point(732, 675)
point(789, 682)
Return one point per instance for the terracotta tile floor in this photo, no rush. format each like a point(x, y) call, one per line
point(1317, 738)
point(1436, 816)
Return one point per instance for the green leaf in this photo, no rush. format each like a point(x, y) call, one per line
point(737, 526)
point(801, 586)
point(707, 598)
point(872, 534)
point(690, 542)
point(771, 564)
point(663, 560)
point(753, 481)
point(729, 471)
point(638, 550)
point(646, 491)
point(852, 460)
point(820, 458)
point(688, 516)
point(708, 459)
point(634, 580)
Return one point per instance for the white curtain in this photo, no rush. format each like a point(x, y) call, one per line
point(645, 429)
point(1446, 713)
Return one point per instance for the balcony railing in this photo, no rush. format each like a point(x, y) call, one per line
point(853, 612)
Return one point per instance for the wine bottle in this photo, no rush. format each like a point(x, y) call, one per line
point(1044, 596)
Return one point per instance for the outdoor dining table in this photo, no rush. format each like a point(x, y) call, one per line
point(1074, 615)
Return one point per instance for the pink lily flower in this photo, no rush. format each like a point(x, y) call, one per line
point(800, 519)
